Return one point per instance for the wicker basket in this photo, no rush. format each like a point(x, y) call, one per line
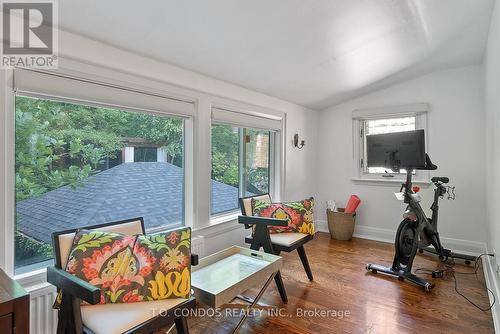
point(341, 224)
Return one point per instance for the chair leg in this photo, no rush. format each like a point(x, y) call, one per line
point(305, 262)
point(181, 325)
point(281, 287)
point(61, 323)
point(66, 316)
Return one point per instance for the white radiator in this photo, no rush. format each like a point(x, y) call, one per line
point(43, 319)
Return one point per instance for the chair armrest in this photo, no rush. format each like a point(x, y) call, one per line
point(73, 285)
point(194, 259)
point(252, 220)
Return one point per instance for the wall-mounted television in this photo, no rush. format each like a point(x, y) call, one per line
point(396, 150)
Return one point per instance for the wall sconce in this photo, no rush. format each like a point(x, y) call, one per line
point(296, 141)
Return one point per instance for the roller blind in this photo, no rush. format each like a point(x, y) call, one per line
point(414, 109)
point(65, 88)
point(240, 119)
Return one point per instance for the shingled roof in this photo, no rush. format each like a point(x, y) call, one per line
point(141, 189)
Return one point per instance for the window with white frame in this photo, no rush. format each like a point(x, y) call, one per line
point(242, 159)
point(80, 164)
point(376, 121)
point(240, 165)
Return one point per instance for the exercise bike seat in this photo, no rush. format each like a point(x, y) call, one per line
point(441, 179)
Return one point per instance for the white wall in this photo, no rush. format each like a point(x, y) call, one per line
point(456, 144)
point(492, 105)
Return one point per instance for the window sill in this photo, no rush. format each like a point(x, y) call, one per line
point(219, 225)
point(224, 217)
point(32, 278)
point(385, 182)
point(219, 220)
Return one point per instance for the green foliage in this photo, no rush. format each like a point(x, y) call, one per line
point(225, 150)
point(225, 159)
point(258, 180)
point(257, 176)
point(166, 132)
point(56, 145)
point(27, 248)
point(61, 144)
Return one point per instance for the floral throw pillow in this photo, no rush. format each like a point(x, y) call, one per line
point(299, 215)
point(171, 274)
point(135, 268)
point(103, 259)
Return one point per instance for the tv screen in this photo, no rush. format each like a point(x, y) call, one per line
point(398, 149)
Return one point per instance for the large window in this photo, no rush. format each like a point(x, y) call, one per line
point(77, 165)
point(240, 165)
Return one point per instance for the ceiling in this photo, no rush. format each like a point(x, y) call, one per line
point(315, 53)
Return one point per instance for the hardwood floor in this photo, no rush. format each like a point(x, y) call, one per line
point(377, 303)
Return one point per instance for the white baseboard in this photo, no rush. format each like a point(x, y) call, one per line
point(493, 283)
point(374, 233)
point(385, 235)
point(321, 226)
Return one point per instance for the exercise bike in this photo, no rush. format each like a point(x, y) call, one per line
point(417, 232)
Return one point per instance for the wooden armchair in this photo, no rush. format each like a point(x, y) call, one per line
point(140, 317)
point(276, 242)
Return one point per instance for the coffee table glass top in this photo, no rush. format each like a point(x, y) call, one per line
point(220, 277)
point(217, 276)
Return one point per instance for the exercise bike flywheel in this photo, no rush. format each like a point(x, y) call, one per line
point(406, 241)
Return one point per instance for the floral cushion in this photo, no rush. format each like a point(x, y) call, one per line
point(299, 215)
point(171, 254)
point(135, 268)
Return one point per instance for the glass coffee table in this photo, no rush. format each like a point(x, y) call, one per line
point(221, 277)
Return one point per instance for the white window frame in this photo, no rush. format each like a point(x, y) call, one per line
point(359, 117)
point(7, 150)
point(7, 178)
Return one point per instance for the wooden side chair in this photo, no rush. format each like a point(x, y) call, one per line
point(139, 317)
point(273, 243)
